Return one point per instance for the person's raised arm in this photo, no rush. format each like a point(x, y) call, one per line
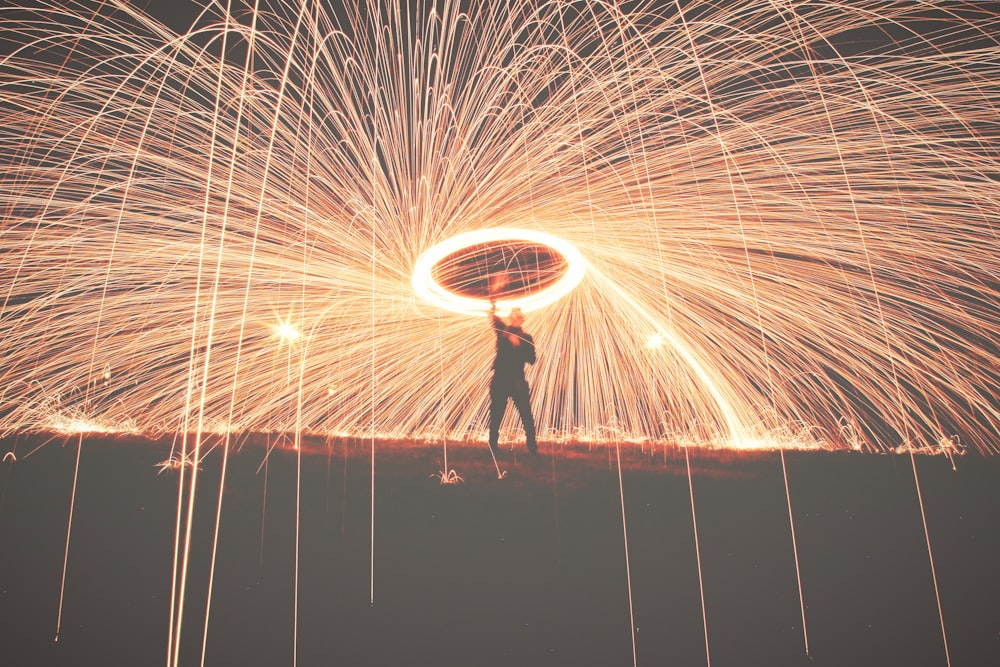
point(497, 322)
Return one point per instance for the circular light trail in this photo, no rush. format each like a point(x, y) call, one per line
point(464, 272)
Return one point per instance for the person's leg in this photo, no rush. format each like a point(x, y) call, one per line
point(498, 403)
point(522, 400)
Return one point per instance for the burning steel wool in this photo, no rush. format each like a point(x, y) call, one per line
point(725, 224)
point(786, 211)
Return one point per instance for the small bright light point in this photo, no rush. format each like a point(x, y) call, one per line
point(287, 332)
point(654, 341)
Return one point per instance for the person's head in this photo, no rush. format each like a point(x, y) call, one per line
point(516, 317)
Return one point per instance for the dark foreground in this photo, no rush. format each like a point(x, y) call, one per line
point(528, 570)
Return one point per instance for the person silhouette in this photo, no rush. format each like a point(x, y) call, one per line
point(515, 348)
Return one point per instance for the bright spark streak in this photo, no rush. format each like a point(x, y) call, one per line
point(807, 222)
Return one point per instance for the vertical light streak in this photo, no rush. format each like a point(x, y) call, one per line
point(442, 388)
point(727, 161)
point(69, 529)
point(205, 379)
point(207, 358)
point(263, 506)
point(182, 555)
point(628, 567)
point(234, 154)
point(795, 551)
point(375, 97)
point(371, 580)
point(697, 554)
point(930, 558)
point(303, 354)
point(215, 545)
point(298, 508)
point(173, 628)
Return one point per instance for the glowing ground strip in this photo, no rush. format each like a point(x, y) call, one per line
point(428, 289)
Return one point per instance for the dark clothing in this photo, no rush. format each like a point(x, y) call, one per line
point(509, 382)
point(510, 360)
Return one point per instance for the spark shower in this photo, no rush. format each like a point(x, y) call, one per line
point(788, 211)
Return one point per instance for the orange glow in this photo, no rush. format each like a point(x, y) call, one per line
point(767, 237)
point(428, 289)
point(287, 332)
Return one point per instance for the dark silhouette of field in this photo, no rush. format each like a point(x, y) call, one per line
point(525, 570)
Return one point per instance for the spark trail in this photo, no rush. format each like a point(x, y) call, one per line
point(804, 195)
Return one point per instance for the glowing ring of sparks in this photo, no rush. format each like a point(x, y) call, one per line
point(428, 287)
